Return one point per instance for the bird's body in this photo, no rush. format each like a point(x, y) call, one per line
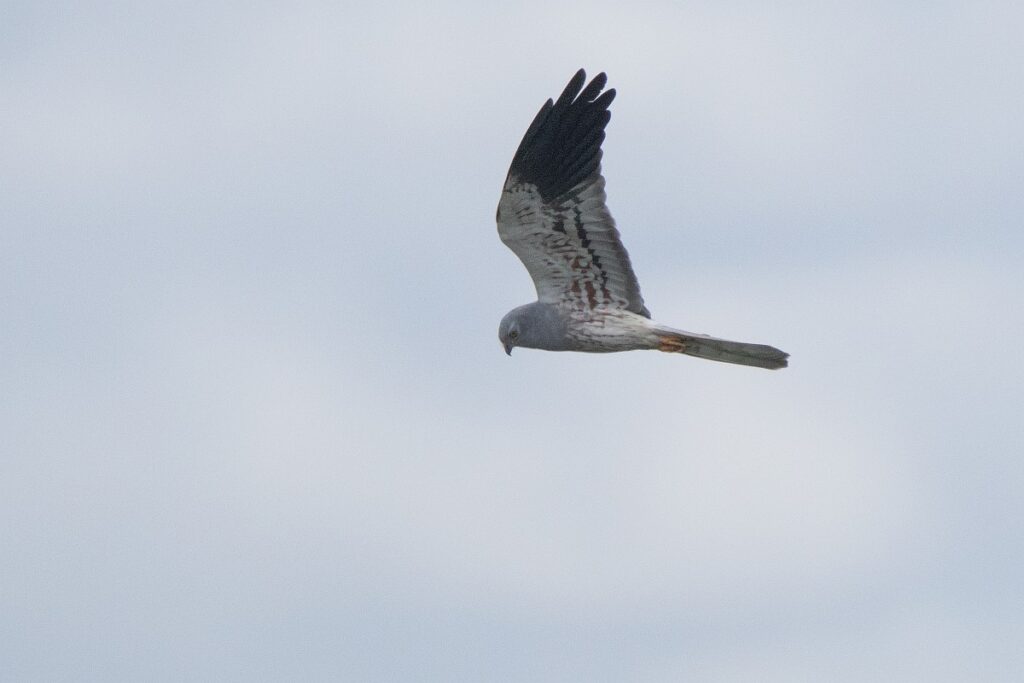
point(600, 330)
point(553, 215)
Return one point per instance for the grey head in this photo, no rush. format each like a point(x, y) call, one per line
point(535, 326)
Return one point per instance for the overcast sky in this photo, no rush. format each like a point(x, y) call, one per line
point(256, 423)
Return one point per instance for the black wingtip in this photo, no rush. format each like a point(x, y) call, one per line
point(572, 89)
point(590, 93)
point(562, 147)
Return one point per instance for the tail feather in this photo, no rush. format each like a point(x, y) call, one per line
point(723, 350)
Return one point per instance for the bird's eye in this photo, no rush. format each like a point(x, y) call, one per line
point(513, 335)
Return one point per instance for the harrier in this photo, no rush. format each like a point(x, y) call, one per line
point(552, 214)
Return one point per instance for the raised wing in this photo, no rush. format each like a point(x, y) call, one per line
point(552, 211)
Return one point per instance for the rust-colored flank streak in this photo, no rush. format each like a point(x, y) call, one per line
point(671, 345)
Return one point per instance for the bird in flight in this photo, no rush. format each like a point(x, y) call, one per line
point(552, 214)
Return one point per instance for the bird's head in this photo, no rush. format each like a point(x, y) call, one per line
point(509, 330)
point(534, 326)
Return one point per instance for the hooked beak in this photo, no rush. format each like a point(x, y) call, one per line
point(508, 349)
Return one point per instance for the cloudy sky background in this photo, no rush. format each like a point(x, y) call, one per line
point(256, 423)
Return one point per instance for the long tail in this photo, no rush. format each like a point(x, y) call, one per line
point(723, 350)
